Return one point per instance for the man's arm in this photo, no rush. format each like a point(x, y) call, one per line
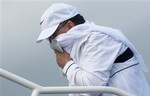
point(100, 53)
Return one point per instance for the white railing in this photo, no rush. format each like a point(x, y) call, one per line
point(37, 89)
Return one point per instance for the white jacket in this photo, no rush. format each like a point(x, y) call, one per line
point(93, 50)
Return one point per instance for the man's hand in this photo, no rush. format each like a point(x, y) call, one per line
point(62, 58)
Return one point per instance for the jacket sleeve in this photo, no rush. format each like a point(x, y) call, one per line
point(97, 60)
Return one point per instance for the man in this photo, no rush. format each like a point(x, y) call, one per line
point(92, 55)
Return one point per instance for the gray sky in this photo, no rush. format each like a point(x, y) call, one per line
point(20, 54)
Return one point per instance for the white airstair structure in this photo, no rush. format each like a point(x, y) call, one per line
point(37, 89)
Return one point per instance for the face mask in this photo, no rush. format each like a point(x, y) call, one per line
point(55, 45)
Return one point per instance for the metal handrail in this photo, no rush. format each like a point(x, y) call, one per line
point(37, 89)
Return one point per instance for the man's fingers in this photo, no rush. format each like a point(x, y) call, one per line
point(56, 52)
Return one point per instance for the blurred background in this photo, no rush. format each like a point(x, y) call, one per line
point(19, 29)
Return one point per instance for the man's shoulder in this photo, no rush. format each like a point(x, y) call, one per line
point(103, 34)
point(104, 29)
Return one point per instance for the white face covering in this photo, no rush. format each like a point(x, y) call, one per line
point(72, 40)
point(55, 45)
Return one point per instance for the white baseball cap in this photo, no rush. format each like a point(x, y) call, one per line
point(53, 16)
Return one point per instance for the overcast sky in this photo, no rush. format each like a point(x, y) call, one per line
point(21, 55)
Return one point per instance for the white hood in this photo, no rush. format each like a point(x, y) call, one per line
point(75, 37)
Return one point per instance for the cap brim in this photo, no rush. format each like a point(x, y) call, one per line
point(46, 33)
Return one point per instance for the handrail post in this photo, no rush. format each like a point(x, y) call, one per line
point(35, 92)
